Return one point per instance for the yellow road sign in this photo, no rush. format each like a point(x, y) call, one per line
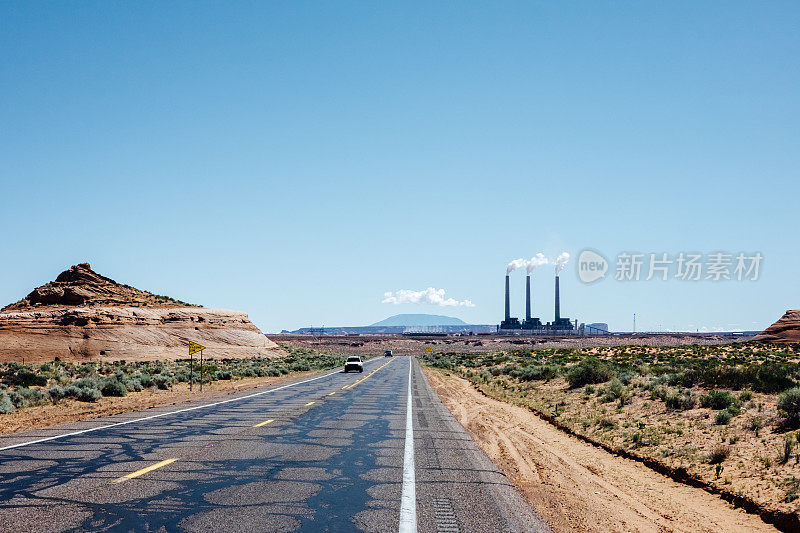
point(194, 347)
point(428, 349)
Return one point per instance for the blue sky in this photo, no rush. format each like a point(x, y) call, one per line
point(297, 160)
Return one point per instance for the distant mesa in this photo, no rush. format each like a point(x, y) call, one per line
point(404, 323)
point(83, 315)
point(411, 320)
point(786, 329)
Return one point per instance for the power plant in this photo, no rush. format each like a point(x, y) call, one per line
point(559, 326)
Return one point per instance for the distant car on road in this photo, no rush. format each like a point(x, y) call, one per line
point(353, 363)
point(388, 353)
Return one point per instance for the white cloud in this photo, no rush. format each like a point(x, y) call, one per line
point(430, 295)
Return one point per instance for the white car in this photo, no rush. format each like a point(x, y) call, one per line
point(353, 363)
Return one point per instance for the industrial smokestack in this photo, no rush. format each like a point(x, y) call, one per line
point(508, 302)
point(558, 303)
point(528, 298)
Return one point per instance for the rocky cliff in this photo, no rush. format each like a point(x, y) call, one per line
point(786, 329)
point(83, 315)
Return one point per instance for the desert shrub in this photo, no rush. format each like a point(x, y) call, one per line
point(90, 383)
point(163, 381)
point(734, 409)
point(71, 391)
point(723, 417)
point(87, 394)
point(226, 374)
point(57, 393)
point(113, 387)
point(718, 455)
point(626, 377)
point(588, 372)
point(717, 399)
point(589, 390)
point(133, 385)
point(24, 397)
point(273, 371)
point(5, 404)
point(746, 396)
point(774, 377)
point(769, 377)
point(789, 405)
point(606, 422)
point(613, 390)
point(659, 392)
point(534, 373)
point(681, 402)
point(146, 380)
point(788, 447)
point(26, 378)
point(302, 367)
point(82, 394)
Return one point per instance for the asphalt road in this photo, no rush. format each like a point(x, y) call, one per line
point(339, 452)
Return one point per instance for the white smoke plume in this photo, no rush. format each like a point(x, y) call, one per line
point(560, 261)
point(535, 261)
point(515, 264)
point(430, 295)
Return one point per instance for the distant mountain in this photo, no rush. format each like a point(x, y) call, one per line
point(420, 320)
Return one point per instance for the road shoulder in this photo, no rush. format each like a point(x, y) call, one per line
point(576, 486)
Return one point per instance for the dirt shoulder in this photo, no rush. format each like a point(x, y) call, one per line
point(74, 411)
point(576, 486)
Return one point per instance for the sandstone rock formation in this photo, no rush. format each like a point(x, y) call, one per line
point(85, 316)
point(786, 329)
point(80, 285)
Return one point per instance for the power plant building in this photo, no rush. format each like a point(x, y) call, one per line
point(560, 325)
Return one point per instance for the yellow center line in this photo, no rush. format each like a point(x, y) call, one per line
point(144, 470)
point(264, 423)
point(367, 376)
point(310, 403)
point(331, 393)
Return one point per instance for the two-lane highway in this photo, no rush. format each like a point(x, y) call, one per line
point(337, 452)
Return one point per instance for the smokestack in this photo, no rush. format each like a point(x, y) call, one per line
point(508, 302)
point(528, 298)
point(558, 303)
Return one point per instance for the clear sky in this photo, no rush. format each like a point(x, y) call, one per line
point(298, 160)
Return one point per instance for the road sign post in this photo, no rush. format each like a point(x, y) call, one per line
point(193, 349)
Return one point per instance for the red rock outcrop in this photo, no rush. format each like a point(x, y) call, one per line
point(786, 329)
point(80, 285)
point(83, 315)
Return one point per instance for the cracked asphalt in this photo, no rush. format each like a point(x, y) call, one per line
point(315, 455)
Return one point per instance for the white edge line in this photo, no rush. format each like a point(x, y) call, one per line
point(73, 433)
point(408, 500)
